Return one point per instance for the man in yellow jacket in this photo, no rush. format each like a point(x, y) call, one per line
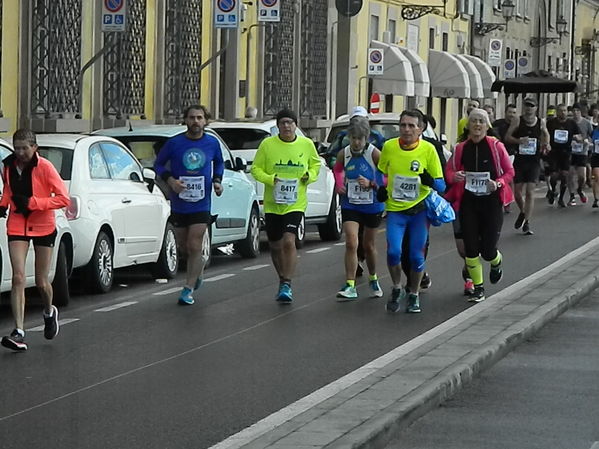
point(285, 164)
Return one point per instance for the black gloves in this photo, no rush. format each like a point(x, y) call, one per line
point(3, 212)
point(381, 194)
point(21, 202)
point(426, 179)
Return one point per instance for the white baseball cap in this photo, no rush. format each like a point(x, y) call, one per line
point(358, 111)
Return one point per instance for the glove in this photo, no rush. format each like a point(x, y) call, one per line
point(3, 212)
point(381, 194)
point(21, 202)
point(426, 179)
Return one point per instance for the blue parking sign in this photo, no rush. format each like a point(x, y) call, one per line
point(107, 19)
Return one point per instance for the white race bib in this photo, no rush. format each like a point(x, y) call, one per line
point(195, 189)
point(529, 148)
point(356, 194)
point(578, 148)
point(596, 147)
point(405, 188)
point(286, 191)
point(560, 136)
point(477, 182)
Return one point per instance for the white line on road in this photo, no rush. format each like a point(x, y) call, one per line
point(340, 244)
point(116, 306)
point(219, 277)
point(595, 445)
point(61, 322)
point(318, 250)
point(255, 267)
point(168, 291)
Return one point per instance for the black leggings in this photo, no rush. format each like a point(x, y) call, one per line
point(481, 219)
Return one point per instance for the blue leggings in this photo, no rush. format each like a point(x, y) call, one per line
point(417, 225)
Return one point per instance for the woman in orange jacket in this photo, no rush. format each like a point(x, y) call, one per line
point(32, 190)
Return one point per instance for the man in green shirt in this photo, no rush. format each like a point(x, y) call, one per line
point(285, 164)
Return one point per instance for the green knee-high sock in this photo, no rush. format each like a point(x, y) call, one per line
point(497, 261)
point(475, 270)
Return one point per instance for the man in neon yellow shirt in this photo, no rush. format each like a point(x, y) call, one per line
point(285, 164)
point(413, 168)
point(463, 122)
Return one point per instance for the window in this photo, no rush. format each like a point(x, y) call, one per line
point(121, 164)
point(61, 158)
point(431, 38)
point(445, 41)
point(243, 138)
point(392, 30)
point(389, 103)
point(97, 164)
point(520, 8)
point(374, 28)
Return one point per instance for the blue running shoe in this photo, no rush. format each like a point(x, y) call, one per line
point(393, 304)
point(198, 284)
point(186, 297)
point(377, 292)
point(285, 295)
point(413, 304)
point(347, 293)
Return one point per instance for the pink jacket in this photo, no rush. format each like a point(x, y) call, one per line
point(503, 167)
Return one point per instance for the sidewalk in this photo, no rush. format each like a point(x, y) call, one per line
point(368, 407)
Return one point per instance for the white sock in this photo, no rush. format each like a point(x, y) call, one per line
point(21, 332)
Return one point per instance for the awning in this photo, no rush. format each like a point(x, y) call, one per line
point(486, 73)
point(476, 82)
point(397, 77)
point(448, 76)
point(422, 84)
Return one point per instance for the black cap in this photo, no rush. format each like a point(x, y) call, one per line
point(531, 100)
point(286, 113)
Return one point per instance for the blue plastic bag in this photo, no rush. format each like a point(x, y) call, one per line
point(438, 209)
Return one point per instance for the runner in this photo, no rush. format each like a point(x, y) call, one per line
point(356, 179)
point(479, 173)
point(463, 122)
point(529, 133)
point(191, 163)
point(412, 168)
point(580, 150)
point(501, 126)
point(595, 166)
point(561, 133)
point(285, 164)
point(32, 190)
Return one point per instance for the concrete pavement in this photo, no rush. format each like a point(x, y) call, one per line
point(366, 408)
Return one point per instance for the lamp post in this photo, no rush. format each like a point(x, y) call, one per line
point(560, 26)
point(507, 11)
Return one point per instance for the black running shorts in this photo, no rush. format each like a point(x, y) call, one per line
point(526, 170)
point(276, 225)
point(368, 220)
point(44, 240)
point(185, 220)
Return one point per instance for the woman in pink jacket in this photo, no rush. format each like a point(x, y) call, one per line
point(479, 173)
point(32, 190)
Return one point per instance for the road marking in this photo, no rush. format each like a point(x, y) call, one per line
point(255, 267)
point(168, 291)
point(595, 445)
point(60, 322)
point(340, 244)
point(116, 306)
point(219, 277)
point(318, 250)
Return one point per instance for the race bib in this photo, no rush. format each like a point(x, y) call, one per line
point(477, 182)
point(356, 194)
point(195, 189)
point(405, 188)
point(596, 147)
point(286, 191)
point(560, 136)
point(578, 148)
point(529, 148)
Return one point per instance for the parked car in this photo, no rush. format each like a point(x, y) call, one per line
point(62, 258)
point(324, 210)
point(117, 215)
point(236, 210)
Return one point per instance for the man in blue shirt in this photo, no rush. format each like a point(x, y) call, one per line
point(192, 165)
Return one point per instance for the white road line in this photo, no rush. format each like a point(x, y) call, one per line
point(219, 277)
point(168, 291)
point(116, 306)
point(60, 322)
point(318, 250)
point(340, 244)
point(255, 267)
point(595, 445)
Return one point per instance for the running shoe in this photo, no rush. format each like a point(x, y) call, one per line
point(561, 203)
point(583, 197)
point(550, 196)
point(14, 341)
point(468, 287)
point(413, 304)
point(377, 291)
point(507, 209)
point(347, 293)
point(51, 326)
point(360, 269)
point(526, 228)
point(572, 201)
point(198, 284)
point(426, 281)
point(478, 295)
point(285, 295)
point(519, 221)
point(595, 205)
point(393, 304)
point(495, 274)
point(186, 297)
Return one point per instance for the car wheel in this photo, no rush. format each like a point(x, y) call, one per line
point(101, 267)
point(167, 264)
point(331, 230)
point(207, 247)
point(60, 284)
point(250, 246)
point(300, 239)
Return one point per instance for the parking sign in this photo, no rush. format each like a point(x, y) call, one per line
point(269, 11)
point(114, 15)
point(226, 13)
point(375, 61)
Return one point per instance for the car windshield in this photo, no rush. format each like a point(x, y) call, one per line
point(242, 138)
point(4, 152)
point(61, 158)
point(144, 148)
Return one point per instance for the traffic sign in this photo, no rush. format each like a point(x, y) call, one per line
point(509, 69)
point(269, 11)
point(375, 103)
point(375, 61)
point(226, 13)
point(114, 15)
point(495, 50)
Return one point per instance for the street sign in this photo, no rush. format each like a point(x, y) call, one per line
point(114, 15)
point(523, 65)
point(375, 61)
point(509, 68)
point(375, 103)
point(269, 11)
point(226, 13)
point(495, 50)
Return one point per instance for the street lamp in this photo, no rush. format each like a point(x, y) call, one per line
point(560, 26)
point(507, 11)
point(413, 12)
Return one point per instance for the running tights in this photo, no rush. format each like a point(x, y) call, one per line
point(481, 219)
point(417, 225)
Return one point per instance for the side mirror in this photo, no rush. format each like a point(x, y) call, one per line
point(150, 178)
point(443, 139)
point(241, 164)
point(228, 165)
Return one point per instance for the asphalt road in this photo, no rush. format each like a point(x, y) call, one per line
point(135, 370)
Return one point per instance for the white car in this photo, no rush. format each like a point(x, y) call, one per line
point(236, 210)
point(324, 210)
point(117, 215)
point(62, 259)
